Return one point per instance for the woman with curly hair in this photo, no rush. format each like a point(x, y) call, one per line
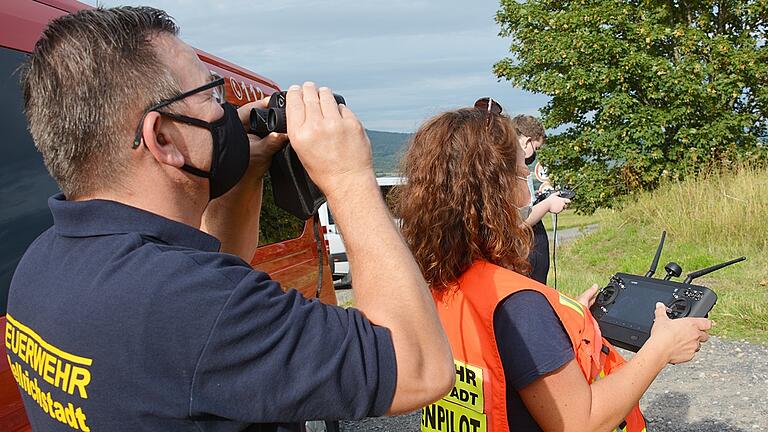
point(527, 357)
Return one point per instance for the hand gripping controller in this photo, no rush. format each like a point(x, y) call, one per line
point(564, 193)
point(625, 308)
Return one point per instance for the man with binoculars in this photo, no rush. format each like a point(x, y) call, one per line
point(128, 315)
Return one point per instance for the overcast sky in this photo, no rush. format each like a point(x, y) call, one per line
point(396, 62)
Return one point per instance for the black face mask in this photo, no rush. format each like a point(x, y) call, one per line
point(230, 153)
point(530, 159)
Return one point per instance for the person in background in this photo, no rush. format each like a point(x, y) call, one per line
point(140, 301)
point(527, 357)
point(530, 137)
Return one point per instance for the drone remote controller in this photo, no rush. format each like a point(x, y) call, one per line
point(625, 308)
point(564, 193)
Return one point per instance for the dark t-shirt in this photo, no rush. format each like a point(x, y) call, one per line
point(538, 257)
point(532, 343)
point(121, 320)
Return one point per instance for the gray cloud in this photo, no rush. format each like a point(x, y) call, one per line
point(396, 62)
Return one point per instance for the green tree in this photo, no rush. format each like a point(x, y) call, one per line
point(641, 90)
point(276, 224)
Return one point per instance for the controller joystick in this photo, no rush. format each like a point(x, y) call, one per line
point(679, 308)
point(607, 295)
point(673, 270)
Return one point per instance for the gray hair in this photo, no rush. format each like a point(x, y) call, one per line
point(85, 85)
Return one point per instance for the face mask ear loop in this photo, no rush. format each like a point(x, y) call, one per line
point(195, 171)
point(214, 145)
point(165, 102)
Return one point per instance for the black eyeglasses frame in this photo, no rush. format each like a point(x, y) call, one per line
point(219, 82)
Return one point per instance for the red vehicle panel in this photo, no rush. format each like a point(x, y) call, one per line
point(294, 262)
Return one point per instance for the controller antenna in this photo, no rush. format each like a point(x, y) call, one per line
point(655, 262)
point(698, 273)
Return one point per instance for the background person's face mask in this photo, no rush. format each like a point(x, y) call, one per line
point(525, 210)
point(530, 159)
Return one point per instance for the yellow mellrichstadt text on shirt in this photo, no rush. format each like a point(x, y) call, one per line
point(48, 365)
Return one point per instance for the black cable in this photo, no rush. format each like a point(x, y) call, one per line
point(554, 250)
point(320, 252)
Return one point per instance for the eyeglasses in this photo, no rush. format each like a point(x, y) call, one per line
point(490, 106)
point(218, 93)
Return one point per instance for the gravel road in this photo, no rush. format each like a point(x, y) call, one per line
point(567, 235)
point(724, 389)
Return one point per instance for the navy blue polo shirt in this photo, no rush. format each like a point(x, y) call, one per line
point(532, 343)
point(122, 320)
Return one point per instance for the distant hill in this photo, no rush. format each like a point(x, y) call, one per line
point(387, 148)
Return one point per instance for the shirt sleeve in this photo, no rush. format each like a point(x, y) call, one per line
point(531, 340)
point(278, 357)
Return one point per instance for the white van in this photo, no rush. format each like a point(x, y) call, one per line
point(333, 238)
point(337, 254)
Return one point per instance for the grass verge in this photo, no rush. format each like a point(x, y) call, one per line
point(569, 219)
point(708, 221)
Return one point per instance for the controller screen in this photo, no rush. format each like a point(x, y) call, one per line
point(637, 305)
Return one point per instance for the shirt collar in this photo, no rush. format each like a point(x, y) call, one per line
point(102, 217)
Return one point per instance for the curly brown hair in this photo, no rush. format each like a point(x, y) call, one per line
point(458, 205)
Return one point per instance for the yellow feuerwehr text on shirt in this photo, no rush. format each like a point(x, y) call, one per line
point(52, 365)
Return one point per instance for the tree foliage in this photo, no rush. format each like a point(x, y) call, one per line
point(641, 90)
point(276, 224)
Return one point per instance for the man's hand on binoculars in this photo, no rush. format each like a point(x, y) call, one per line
point(329, 139)
point(262, 149)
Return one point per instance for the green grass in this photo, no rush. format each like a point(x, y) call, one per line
point(708, 221)
point(569, 219)
point(346, 304)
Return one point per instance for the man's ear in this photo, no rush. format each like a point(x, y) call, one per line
point(160, 144)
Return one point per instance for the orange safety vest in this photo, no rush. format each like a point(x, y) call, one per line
point(478, 401)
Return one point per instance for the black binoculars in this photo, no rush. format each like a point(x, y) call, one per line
point(272, 118)
point(292, 188)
